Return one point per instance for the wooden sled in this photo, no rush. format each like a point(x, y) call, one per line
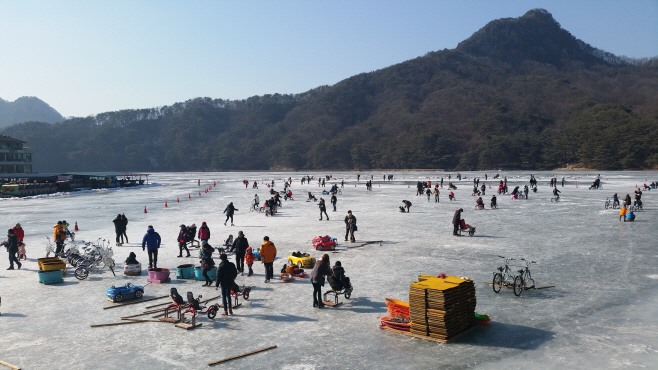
point(527, 288)
point(187, 326)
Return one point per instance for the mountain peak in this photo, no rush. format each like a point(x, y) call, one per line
point(27, 108)
point(535, 36)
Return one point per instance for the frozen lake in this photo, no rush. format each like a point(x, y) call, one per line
point(602, 313)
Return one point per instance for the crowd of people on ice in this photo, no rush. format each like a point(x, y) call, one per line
point(244, 254)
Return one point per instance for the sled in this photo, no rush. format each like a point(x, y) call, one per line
point(332, 304)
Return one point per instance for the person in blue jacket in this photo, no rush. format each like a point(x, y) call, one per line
point(152, 242)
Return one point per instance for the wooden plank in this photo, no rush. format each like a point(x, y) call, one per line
point(242, 355)
point(140, 301)
point(158, 305)
point(118, 323)
point(140, 320)
point(169, 320)
point(364, 244)
point(331, 304)
point(532, 287)
point(144, 313)
point(13, 367)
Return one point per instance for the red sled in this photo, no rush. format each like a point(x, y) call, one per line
point(324, 243)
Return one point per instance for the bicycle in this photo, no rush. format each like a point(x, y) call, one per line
point(609, 203)
point(524, 280)
point(502, 276)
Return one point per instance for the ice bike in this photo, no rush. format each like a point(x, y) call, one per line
point(503, 276)
point(524, 280)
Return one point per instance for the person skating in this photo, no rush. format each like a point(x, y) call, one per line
point(226, 274)
point(267, 255)
point(320, 270)
point(20, 234)
point(59, 236)
point(207, 263)
point(350, 226)
point(525, 191)
point(249, 260)
point(151, 242)
point(204, 233)
point(493, 202)
point(118, 229)
point(556, 192)
point(12, 248)
point(124, 226)
point(334, 200)
point(428, 192)
point(230, 210)
point(240, 245)
point(182, 242)
point(323, 209)
point(456, 220)
point(436, 195)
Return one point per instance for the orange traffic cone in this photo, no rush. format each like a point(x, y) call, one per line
point(145, 209)
point(76, 226)
point(189, 196)
point(165, 204)
point(177, 200)
point(636, 185)
point(199, 193)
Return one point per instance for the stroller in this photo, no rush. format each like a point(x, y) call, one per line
point(596, 185)
point(340, 284)
point(465, 226)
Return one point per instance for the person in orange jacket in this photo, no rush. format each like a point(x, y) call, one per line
point(249, 259)
point(267, 255)
point(58, 237)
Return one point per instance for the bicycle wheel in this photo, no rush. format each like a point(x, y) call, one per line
point(497, 282)
point(529, 281)
point(81, 273)
point(518, 286)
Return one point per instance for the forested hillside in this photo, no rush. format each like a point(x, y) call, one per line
point(520, 93)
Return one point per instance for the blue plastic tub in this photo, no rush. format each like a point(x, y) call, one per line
point(50, 276)
point(199, 273)
point(185, 272)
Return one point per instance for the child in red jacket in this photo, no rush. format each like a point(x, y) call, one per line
point(249, 260)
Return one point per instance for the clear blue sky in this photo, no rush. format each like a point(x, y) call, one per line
point(88, 57)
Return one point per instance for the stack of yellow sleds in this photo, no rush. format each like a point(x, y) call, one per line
point(441, 308)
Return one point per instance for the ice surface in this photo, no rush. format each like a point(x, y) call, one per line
point(602, 314)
